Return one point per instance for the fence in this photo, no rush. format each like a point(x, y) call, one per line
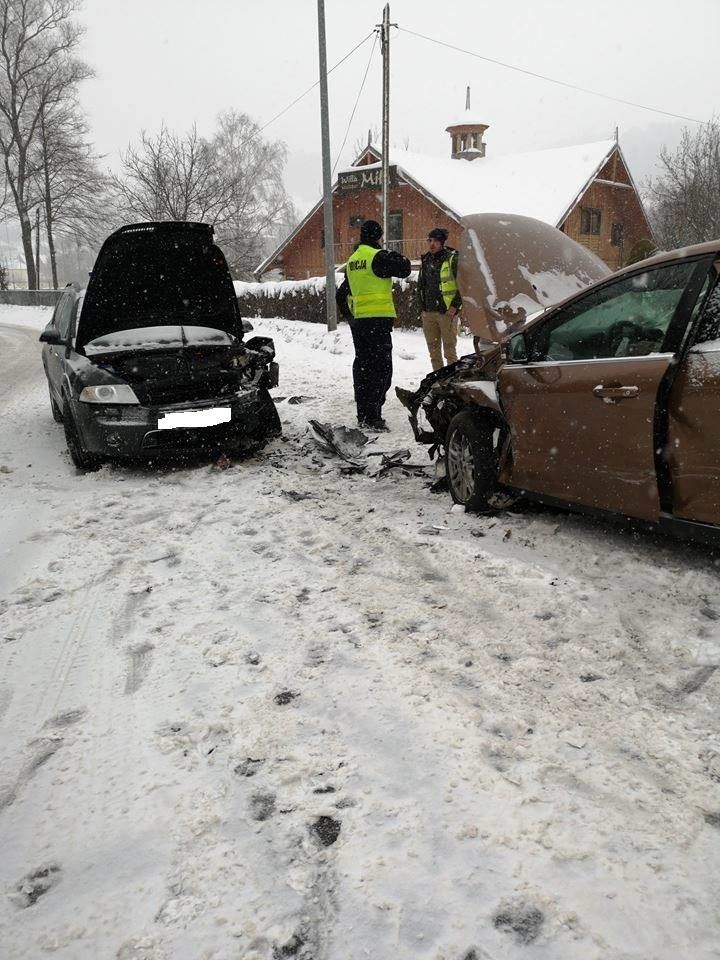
point(30, 298)
point(291, 299)
point(305, 299)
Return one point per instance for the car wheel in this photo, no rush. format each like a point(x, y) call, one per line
point(83, 459)
point(56, 411)
point(470, 460)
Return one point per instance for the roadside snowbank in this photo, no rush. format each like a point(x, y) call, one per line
point(36, 318)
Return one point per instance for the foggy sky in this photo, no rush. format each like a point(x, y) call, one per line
point(183, 61)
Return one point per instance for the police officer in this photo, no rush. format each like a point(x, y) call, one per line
point(365, 299)
point(438, 298)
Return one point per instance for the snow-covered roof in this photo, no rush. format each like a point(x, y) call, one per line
point(467, 119)
point(544, 184)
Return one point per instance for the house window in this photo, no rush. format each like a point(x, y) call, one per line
point(617, 234)
point(474, 141)
point(463, 142)
point(395, 231)
point(589, 220)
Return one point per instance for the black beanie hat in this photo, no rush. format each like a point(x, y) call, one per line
point(371, 231)
point(438, 233)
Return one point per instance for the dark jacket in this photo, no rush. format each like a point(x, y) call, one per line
point(428, 287)
point(386, 263)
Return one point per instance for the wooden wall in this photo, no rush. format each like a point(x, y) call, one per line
point(616, 205)
point(304, 255)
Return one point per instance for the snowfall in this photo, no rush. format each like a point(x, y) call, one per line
point(282, 710)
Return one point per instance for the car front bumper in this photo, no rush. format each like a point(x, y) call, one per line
point(130, 431)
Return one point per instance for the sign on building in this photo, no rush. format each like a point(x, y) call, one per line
point(361, 179)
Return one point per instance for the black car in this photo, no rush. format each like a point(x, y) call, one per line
point(150, 361)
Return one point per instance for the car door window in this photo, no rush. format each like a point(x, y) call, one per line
point(63, 314)
point(709, 328)
point(628, 318)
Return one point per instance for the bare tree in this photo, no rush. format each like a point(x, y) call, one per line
point(72, 190)
point(172, 177)
point(259, 208)
point(685, 198)
point(233, 181)
point(38, 72)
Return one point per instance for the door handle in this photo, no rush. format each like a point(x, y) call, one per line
point(615, 392)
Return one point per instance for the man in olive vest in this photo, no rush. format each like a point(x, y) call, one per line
point(439, 299)
point(365, 299)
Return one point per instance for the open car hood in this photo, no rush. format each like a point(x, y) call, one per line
point(150, 275)
point(511, 267)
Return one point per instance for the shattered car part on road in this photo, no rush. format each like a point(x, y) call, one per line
point(350, 445)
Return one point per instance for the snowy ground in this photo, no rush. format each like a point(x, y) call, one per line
point(512, 719)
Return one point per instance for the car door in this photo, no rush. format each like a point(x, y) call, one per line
point(581, 407)
point(55, 354)
point(694, 419)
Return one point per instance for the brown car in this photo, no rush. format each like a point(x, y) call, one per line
point(606, 402)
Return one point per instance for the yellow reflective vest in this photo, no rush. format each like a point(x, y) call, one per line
point(371, 296)
point(448, 283)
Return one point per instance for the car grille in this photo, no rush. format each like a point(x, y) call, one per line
point(158, 393)
point(190, 439)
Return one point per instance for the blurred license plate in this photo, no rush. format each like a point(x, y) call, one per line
point(194, 418)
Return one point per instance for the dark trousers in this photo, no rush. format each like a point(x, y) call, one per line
point(372, 367)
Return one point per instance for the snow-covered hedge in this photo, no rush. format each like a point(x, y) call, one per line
point(305, 299)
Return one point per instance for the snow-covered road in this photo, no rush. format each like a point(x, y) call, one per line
point(278, 711)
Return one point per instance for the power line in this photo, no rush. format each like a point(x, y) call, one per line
point(316, 84)
point(561, 83)
point(357, 100)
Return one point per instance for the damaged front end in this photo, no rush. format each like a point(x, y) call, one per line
point(511, 269)
point(444, 392)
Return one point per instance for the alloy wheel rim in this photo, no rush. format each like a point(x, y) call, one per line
point(461, 468)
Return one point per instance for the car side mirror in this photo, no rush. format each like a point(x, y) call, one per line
point(517, 351)
point(247, 327)
point(52, 336)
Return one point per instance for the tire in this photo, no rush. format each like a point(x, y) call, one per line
point(83, 459)
point(56, 411)
point(470, 459)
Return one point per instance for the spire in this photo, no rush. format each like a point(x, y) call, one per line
point(467, 99)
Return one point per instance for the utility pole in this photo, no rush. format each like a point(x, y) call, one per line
point(327, 176)
point(385, 47)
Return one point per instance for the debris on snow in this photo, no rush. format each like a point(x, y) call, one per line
point(326, 830)
point(520, 918)
point(285, 697)
point(35, 884)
